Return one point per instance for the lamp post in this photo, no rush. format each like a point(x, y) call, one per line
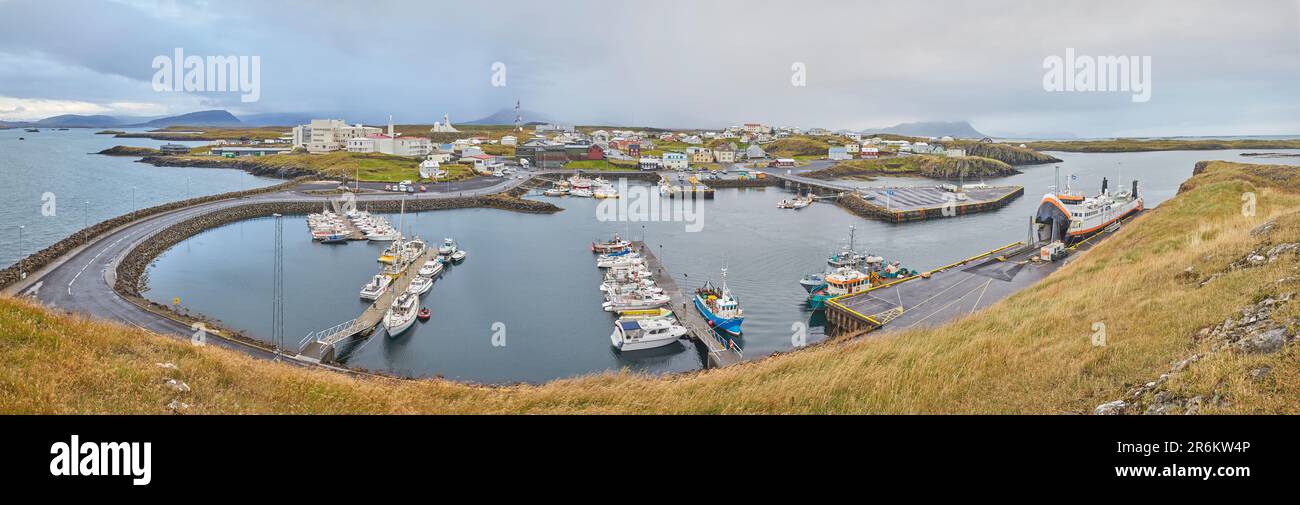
point(85, 214)
point(132, 198)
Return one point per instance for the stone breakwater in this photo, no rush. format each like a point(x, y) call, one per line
point(252, 167)
point(44, 257)
point(857, 205)
point(132, 268)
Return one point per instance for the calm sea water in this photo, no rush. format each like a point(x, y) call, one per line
point(533, 277)
point(87, 188)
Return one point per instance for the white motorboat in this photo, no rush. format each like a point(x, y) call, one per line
point(420, 286)
point(616, 285)
point(458, 256)
point(431, 269)
point(581, 192)
point(638, 334)
point(377, 286)
point(636, 301)
point(383, 235)
point(413, 249)
point(630, 289)
point(448, 247)
point(401, 315)
point(627, 260)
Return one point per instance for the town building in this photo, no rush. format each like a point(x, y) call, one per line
point(173, 149)
point(675, 161)
point(328, 135)
point(542, 155)
point(723, 155)
point(509, 140)
point(870, 152)
point(444, 126)
point(650, 164)
point(702, 156)
point(852, 148)
point(237, 151)
point(754, 152)
point(838, 153)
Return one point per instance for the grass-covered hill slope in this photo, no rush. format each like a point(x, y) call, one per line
point(1171, 285)
point(936, 167)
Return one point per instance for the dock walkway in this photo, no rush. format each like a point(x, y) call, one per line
point(321, 347)
point(720, 352)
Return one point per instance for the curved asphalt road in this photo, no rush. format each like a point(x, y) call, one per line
point(83, 280)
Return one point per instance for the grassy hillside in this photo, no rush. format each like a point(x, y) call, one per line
point(1006, 153)
point(1135, 145)
point(1161, 286)
point(375, 167)
point(938, 167)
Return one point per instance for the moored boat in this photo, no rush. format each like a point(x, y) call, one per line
point(377, 286)
point(611, 246)
point(420, 286)
point(639, 334)
point(719, 307)
point(431, 269)
point(401, 315)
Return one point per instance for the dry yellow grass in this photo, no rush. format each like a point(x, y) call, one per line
point(1030, 353)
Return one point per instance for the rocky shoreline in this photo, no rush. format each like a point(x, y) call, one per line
point(257, 169)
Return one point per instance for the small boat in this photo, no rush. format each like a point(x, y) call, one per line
point(620, 261)
point(581, 192)
point(844, 281)
point(636, 301)
point(448, 247)
point(377, 286)
point(635, 335)
point(32, 130)
point(796, 203)
point(431, 269)
point(423, 315)
point(458, 256)
point(556, 191)
point(334, 239)
point(401, 315)
point(614, 245)
point(719, 307)
point(387, 235)
point(811, 282)
point(660, 313)
point(420, 286)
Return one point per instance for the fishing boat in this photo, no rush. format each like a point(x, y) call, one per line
point(578, 182)
point(377, 286)
point(614, 245)
point(660, 313)
point(620, 290)
point(581, 192)
point(430, 269)
point(719, 307)
point(420, 286)
point(391, 253)
point(848, 256)
point(334, 239)
point(458, 256)
point(413, 249)
point(639, 334)
point(1071, 217)
point(604, 191)
point(636, 301)
point(555, 192)
point(401, 315)
point(843, 281)
point(380, 234)
point(614, 285)
point(796, 203)
point(448, 247)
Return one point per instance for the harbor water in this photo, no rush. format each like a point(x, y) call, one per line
point(530, 281)
point(59, 166)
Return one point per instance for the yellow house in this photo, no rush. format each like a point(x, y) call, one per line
point(702, 156)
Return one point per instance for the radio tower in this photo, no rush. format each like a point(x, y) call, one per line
point(277, 291)
point(519, 118)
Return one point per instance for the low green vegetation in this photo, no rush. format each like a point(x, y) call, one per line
point(1006, 153)
point(936, 167)
point(109, 132)
point(600, 165)
point(129, 151)
point(1138, 145)
point(373, 167)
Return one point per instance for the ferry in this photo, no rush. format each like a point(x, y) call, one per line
point(638, 334)
point(1072, 218)
point(615, 245)
point(719, 307)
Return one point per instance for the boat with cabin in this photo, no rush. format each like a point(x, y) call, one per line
point(719, 307)
point(640, 334)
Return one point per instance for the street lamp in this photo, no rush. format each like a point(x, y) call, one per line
point(85, 214)
point(132, 198)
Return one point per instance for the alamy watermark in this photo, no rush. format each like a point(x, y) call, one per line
point(1100, 73)
point(236, 74)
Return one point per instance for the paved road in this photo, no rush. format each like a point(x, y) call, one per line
point(83, 281)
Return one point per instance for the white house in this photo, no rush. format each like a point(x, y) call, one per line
point(675, 161)
point(509, 140)
point(838, 153)
point(650, 164)
point(852, 148)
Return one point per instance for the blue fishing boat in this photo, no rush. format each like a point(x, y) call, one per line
point(720, 309)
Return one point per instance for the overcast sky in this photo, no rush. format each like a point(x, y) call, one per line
point(1218, 68)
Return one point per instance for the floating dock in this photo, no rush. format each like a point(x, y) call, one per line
point(926, 202)
point(721, 350)
point(319, 347)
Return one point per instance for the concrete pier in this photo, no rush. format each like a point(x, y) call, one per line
point(720, 351)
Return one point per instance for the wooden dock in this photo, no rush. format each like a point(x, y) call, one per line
point(719, 351)
point(321, 348)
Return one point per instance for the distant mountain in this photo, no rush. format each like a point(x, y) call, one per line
point(279, 118)
point(201, 118)
point(959, 129)
point(507, 116)
point(70, 120)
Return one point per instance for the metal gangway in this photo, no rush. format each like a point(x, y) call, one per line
point(318, 346)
